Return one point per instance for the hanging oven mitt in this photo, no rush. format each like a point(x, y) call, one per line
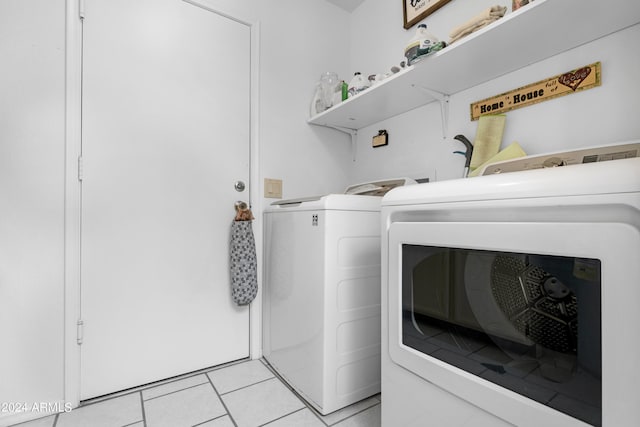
point(243, 265)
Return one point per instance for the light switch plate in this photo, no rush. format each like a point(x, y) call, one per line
point(273, 188)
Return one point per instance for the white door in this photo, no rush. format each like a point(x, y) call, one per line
point(165, 136)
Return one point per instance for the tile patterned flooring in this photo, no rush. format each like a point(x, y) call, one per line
point(246, 394)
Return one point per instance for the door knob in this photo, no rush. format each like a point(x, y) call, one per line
point(239, 186)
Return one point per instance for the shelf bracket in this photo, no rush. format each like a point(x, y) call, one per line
point(443, 99)
point(352, 132)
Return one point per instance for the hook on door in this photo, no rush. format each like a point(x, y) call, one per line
point(243, 211)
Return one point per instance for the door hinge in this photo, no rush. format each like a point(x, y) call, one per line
point(81, 9)
point(80, 331)
point(80, 168)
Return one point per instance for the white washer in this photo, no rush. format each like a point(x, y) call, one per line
point(322, 296)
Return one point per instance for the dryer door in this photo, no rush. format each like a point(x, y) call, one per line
point(510, 316)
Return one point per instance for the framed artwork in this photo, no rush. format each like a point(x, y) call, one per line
point(517, 4)
point(416, 10)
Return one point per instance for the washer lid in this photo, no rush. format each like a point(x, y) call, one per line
point(378, 188)
point(359, 197)
point(348, 202)
point(297, 201)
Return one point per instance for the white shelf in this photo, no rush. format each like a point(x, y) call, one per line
point(535, 32)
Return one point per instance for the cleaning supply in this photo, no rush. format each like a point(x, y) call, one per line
point(329, 83)
point(357, 84)
point(317, 102)
point(467, 154)
point(421, 44)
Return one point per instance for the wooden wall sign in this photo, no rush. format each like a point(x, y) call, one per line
point(573, 81)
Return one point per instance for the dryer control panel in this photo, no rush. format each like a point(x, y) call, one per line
point(564, 158)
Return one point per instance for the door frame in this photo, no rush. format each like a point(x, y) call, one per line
point(73, 194)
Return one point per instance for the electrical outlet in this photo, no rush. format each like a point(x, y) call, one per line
point(273, 188)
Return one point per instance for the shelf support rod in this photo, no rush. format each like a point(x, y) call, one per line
point(443, 99)
point(352, 132)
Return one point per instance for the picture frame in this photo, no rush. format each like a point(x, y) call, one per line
point(517, 4)
point(381, 139)
point(415, 11)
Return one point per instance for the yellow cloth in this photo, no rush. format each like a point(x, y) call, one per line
point(472, 29)
point(488, 139)
point(513, 151)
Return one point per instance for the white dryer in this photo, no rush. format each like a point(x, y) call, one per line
point(321, 312)
point(507, 298)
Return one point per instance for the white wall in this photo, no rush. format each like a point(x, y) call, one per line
point(32, 156)
point(298, 42)
point(597, 116)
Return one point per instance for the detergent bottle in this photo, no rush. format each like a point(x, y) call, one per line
point(357, 84)
point(421, 44)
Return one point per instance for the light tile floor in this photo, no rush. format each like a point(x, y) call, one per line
point(246, 394)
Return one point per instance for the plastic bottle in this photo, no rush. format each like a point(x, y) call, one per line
point(345, 90)
point(357, 84)
point(329, 82)
point(422, 43)
point(317, 102)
